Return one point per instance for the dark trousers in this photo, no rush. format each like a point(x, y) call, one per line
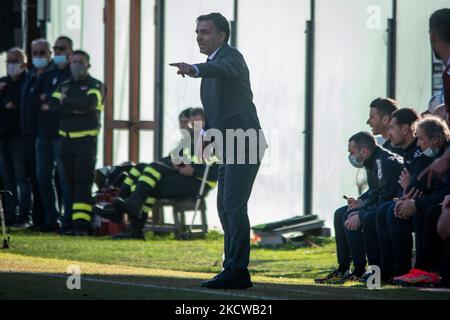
point(48, 161)
point(394, 242)
point(445, 273)
point(174, 186)
point(387, 262)
point(400, 240)
point(15, 179)
point(433, 246)
point(369, 227)
point(79, 156)
point(154, 171)
point(235, 186)
point(344, 256)
point(362, 244)
point(38, 209)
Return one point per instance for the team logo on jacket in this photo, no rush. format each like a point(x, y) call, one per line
point(417, 154)
point(84, 88)
point(380, 169)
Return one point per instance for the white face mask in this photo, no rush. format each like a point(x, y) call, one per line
point(14, 69)
point(431, 153)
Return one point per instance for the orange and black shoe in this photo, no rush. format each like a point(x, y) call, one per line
point(334, 277)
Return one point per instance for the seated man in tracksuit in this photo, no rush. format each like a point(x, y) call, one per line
point(162, 179)
point(402, 135)
point(352, 244)
point(421, 214)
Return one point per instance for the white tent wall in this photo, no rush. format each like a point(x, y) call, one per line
point(350, 65)
point(271, 36)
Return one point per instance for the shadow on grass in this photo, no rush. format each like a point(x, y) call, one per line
point(96, 286)
point(309, 242)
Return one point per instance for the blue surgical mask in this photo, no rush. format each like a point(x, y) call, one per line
point(60, 60)
point(354, 162)
point(40, 63)
point(431, 153)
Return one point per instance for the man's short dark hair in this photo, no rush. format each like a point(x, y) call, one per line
point(385, 106)
point(406, 116)
point(186, 113)
point(440, 24)
point(364, 140)
point(220, 22)
point(82, 53)
point(66, 39)
point(198, 111)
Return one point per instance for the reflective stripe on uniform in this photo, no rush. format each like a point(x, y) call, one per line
point(82, 206)
point(211, 184)
point(135, 172)
point(153, 172)
point(79, 134)
point(57, 95)
point(146, 209)
point(81, 216)
point(98, 94)
point(128, 181)
point(147, 180)
point(148, 203)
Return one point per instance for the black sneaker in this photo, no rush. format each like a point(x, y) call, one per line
point(48, 228)
point(66, 231)
point(35, 228)
point(363, 279)
point(122, 206)
point(350, 277)
point(334, 276)
point(22, 225)
point(108, 212)
point(81, 228)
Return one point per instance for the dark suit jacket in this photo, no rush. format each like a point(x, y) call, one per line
point(226, 93)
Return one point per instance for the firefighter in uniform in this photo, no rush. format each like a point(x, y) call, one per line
point(78, 103)
point(164, 179)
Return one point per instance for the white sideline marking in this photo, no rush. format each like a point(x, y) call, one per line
point(152, 286)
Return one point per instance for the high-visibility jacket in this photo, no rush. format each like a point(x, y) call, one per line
point(79, 110)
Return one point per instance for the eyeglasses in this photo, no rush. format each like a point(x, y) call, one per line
point(59, 48)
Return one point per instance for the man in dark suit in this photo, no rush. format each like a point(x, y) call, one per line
point(227, 99)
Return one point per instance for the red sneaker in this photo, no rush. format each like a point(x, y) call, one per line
point(418, 277)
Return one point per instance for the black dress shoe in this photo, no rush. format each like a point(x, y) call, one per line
point(126, 206)
point(229, 279)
